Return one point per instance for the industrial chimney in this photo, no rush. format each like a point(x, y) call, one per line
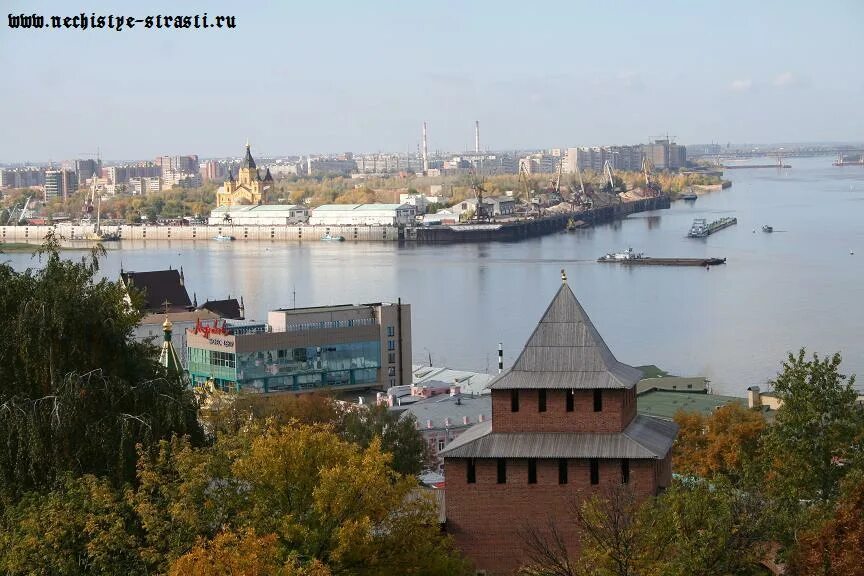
point(476, 136)
point(425, 151)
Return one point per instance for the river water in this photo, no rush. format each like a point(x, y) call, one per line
point(733, 324)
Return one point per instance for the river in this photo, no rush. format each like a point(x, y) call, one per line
point(733, 324)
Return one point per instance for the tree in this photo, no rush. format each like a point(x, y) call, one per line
point(399, 436)
point(77, 393)
point(324, 499)
point(724, 443)
point(811, 444)
point(80, 527)
point(245, 553)
point(834, 546)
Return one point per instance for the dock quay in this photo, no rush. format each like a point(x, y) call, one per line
point(701, 229)
point(649, 261)
point(748, 166)
point(477, 232)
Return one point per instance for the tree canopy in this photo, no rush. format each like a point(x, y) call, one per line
point(77, 393)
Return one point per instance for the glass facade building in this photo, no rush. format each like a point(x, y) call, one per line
point(353, 346)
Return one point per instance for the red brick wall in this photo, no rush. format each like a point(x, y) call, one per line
point(488, 520)
point(614, 417)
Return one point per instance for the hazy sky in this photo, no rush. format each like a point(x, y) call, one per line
point(332, 76)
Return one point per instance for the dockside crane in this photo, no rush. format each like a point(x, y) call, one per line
point(652, 187)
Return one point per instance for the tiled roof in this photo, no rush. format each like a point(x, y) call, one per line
point(566, 351)
point(644, 438)
point(229, 308)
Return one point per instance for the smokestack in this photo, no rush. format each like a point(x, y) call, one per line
point(500, 357)
point(476, 136)
point(425, 151)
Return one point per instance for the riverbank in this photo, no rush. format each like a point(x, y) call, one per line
point(481, 232)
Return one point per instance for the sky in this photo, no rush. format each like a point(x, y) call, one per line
point(363, 75)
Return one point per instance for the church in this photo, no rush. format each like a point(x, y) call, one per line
point(564, 427)
point(249, 187)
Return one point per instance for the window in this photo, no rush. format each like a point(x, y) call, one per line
point(471, 472)
point(391, 371)
point(562, 471)
point(392, 381)
point(598, 400)
point(541, 400)
point(625, 471)
point(532, 471)
point(440, 445)
point(391, 331)
point(514, 400)
point(391, 345)
point(391, 357)
point(502, 471)
point(595, 471)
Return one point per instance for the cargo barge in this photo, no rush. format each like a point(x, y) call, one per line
point(701, 228)
point(639, 259)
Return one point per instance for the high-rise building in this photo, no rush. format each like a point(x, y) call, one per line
point(60, 184)
point(666, 155)
point(22, 177)
point(86, 169)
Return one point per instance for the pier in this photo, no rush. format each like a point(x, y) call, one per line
point(476, 232)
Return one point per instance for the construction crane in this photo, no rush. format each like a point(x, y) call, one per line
point(24, 210)
point(651, 187)
point(526, 187)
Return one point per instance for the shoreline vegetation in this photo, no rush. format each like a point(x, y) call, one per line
point(315, 191)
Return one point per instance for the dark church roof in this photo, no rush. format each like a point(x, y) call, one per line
point(229, 308)
point(267, 176)
point(566, 351)
point(248, 161)
point(645, 437)
point(158, 287)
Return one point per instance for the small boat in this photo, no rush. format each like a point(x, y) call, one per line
point(223, 238)
point(691, 197)
point(109, 236)
point(767, 228)
point(333, 238)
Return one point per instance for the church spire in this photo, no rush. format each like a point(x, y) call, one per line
point(168, 356)
point(248, 161)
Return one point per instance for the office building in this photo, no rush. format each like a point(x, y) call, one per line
point(306, 349)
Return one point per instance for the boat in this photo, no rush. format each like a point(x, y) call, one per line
point(701, 228)
point(767, 228)
point(690, 196)
point(629, 254)
point(223, 238)
point(109, 236)
point(571, 225)
point(333, 238)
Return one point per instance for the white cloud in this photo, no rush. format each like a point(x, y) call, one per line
point(741, 85)
point(784, 79)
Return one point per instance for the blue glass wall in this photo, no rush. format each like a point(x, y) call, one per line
point(291, 368)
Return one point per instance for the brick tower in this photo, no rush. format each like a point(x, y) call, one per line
point(564, 426)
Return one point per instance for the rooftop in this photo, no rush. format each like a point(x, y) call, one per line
point(566, 351)
point(665, 403)
point(437, 409)
point(159, 287)
point(644, 438)
point(358, 207)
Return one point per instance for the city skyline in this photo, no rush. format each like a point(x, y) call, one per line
point(310, 79)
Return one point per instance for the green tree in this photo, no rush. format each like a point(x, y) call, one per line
point(80, 527)
point(77, 393)
point(811, 445)
point(399, 436)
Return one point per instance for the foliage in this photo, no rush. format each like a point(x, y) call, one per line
point(725, 443)
point(80, 527)
point(810, 446)
point(323, 498)
point(833, 547)
point(398, 435)
point(230, 553)
point(77, 393)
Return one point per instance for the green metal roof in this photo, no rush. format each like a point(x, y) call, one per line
point(665, 403)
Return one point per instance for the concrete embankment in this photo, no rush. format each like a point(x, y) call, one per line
point(508, 231)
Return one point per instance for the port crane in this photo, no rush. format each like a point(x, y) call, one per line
point(652, 187)
point(526, 189)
